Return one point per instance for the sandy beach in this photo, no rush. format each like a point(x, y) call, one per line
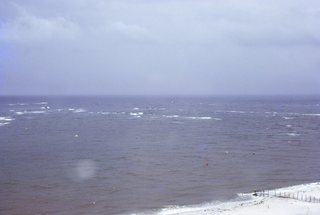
point(262, 205)
point(273, 206)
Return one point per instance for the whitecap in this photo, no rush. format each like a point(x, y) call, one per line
point(103, 113)
point(7, 119)
point(36, 112)
point(205, 117)
point(199, 117)
point(18, 104)
point(79, 110)
point(236, 111)
point(110, 113)
point(287, 118)
point(30, 112)
point(20, 113)
point(293, 134)
point(4, 123)
point(136, 113)
point(311, 114)
point(231, 111)
point(171, 116)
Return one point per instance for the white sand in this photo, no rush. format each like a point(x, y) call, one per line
point(250, 205)
point(275, 206)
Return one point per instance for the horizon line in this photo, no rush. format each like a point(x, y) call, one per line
point(153, 95)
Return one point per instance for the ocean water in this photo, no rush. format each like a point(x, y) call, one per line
point(125, 155)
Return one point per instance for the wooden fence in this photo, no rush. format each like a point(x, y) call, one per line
point(290, 195)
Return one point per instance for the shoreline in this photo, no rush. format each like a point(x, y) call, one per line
point(248, 204)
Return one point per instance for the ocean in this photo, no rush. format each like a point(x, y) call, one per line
point(139, 155)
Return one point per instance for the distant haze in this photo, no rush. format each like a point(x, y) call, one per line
point(178, 47)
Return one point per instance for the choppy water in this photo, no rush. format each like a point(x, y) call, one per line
point(118, 155)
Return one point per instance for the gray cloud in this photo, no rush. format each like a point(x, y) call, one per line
point(160, 47)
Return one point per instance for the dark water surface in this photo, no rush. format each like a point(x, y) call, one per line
point(115, 155)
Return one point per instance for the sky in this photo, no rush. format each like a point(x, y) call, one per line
point(159, 47)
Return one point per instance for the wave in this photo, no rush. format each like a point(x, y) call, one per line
point(36, 112)
point(110, 113)
point(75, 110)
point(198, 117)
point(218, 119)
point(5, 120)
point(4, 123)
point(311, 114)
point(79, 110)
point(171, 116)
point(18, 104)
point(231, 111)
point(287, 118)
point(293, 134)
point(304, 114)
point(30, 112)
point(136, 114)
point(175, 116)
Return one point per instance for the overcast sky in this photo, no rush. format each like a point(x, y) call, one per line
point(159, 47)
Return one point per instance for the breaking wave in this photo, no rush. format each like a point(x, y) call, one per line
point(5, 120)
